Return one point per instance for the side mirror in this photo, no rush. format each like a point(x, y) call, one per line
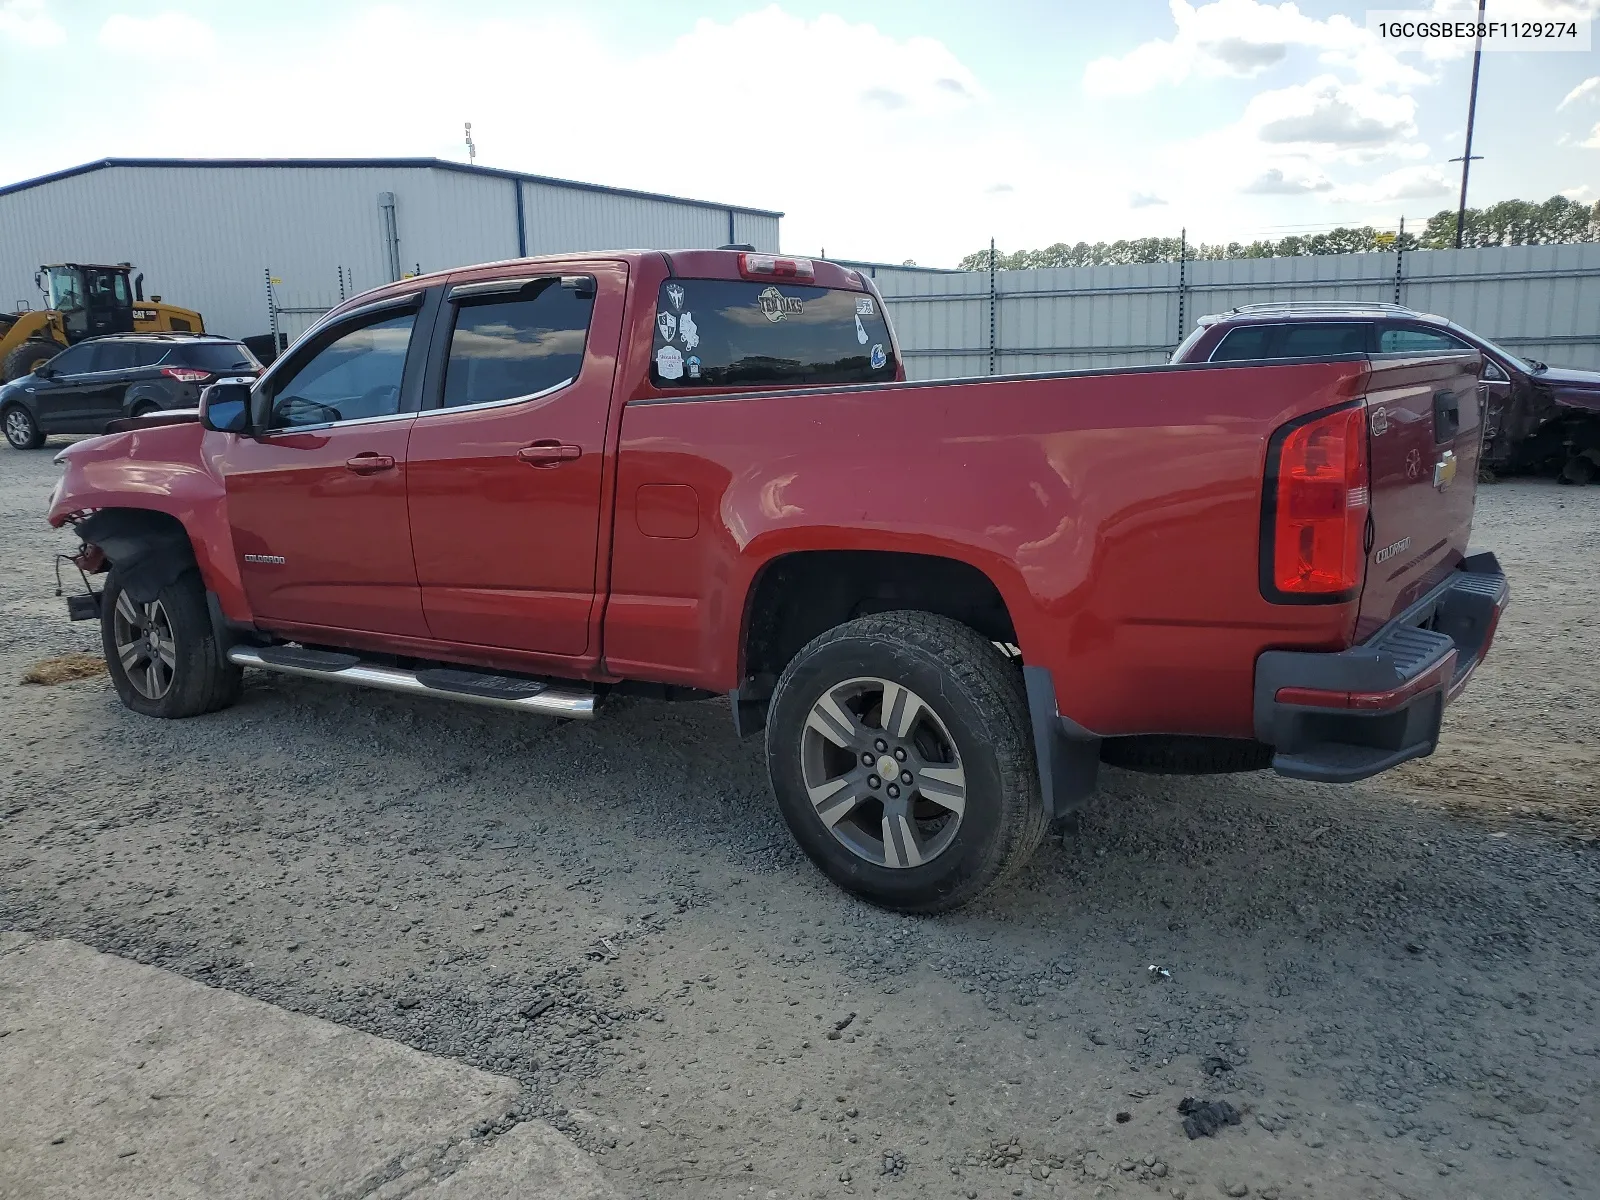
point(225, 407)
point(45, 371)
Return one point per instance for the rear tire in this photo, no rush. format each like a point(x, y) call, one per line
point(942, 716)
point(21, 429)
point(144, 408)
point(163, 655)
point(27, 357)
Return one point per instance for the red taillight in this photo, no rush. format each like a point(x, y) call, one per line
point(1320, 501)
point(186, 374)
point(770, 266)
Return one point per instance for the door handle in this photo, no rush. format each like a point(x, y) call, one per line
point(369, 464)
point(548, 454)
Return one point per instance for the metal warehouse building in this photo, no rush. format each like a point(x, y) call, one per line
point(208, 234)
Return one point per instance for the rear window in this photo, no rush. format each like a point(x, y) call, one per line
point(726, 333)
point(218, 357)
point(1299, 339)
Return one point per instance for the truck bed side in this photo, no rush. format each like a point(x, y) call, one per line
point(1118, 514)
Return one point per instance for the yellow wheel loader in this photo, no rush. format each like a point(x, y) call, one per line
point(84, 300)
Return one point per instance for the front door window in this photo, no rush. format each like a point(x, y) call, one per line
point(355, 377)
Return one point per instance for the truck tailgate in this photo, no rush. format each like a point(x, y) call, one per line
point(1424, 416)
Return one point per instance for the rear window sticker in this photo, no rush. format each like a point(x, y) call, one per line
point(878, 356)
point(775, 306)
point(667, 324)
point(669, 362)
point(675, 295)
point(861, 330)
point(693, 363)
point(689, 331)
point(863, 306)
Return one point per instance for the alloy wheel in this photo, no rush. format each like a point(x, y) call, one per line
point(145, 646)
point(19, 429)
point(883, 772)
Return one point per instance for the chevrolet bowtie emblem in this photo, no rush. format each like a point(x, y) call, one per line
point(1444, 471)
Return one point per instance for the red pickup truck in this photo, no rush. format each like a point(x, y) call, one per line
point(534, 484)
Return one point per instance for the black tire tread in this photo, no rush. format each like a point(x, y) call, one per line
point(209, 683)
point(975, 665)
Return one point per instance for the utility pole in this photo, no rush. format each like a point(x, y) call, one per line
point(1467, 156)
point(472, 149)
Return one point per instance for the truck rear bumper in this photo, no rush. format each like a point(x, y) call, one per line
point(1341, 717)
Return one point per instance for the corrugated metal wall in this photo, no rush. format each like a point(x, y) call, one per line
point(205, 235)
point(1538, 301)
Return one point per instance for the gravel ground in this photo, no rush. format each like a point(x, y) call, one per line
point(1394, 983)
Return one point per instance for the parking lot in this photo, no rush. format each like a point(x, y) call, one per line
point(1396, 982)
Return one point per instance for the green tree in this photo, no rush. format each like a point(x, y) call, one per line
point(1508, 223)
point(1516, 223)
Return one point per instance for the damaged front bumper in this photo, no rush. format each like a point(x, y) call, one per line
point(1337, 718)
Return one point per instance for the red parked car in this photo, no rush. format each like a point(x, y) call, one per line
point(535, 484)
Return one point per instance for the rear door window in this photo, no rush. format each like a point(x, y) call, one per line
point(117, 356)
point(743, 333)
point(1293, 339)
point(1313, 339)
point(507, 345)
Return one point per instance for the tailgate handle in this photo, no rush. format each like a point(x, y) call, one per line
point(1446, 417)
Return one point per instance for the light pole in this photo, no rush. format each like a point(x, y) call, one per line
point(1467, 156)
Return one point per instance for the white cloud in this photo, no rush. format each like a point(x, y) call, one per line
point(1326, 112)
point(1588, 87)
point(1242, 39)
point(1581, 193)
point(1593, 140)
point(163, 34)
point(1407, 183)
point(1145, 200)
point(26, 23)
point(1273, 182)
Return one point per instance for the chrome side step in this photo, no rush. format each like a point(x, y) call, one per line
point(470, 687)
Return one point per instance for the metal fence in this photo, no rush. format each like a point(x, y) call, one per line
point(1537, 301)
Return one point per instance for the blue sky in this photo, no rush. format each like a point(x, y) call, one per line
point(886, 131)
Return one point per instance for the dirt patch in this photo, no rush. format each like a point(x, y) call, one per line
point(64, 668)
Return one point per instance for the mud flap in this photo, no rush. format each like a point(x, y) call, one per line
point(1068, 755)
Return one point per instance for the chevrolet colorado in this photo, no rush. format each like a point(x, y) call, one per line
point(537, 483)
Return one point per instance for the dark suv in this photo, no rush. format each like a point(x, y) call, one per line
point(125, 375)
point(1536, 417)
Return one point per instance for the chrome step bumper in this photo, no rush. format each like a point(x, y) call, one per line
point(528, 696)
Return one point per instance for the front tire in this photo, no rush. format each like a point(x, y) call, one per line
point(28, 357)
point(163, 654)
point(21, 428)
point(898, 750)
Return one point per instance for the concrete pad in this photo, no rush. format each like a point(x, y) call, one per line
point(129, 1081)
point(529, 1162)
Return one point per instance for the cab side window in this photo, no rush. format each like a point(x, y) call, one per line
point(354, 376)
point(511, 344)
